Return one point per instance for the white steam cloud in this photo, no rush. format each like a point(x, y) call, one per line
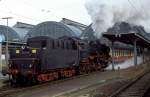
point(128, 63)
point(105, 13)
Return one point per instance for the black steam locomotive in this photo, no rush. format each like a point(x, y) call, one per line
point(46, 59)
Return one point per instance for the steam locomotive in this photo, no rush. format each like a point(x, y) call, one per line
point(45, 59)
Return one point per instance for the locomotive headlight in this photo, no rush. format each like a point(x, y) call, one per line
point(30, 66)
point(9, 65)
point(34, 51)
point(17, 51)
point(16, 71)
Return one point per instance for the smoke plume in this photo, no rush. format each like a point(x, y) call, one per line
point(105, 13)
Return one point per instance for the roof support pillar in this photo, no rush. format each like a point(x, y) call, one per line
point(148, 55)
point(1, 65)
point(135, 52)
point(113, 62)
point(143, 55)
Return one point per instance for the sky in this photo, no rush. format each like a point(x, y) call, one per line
point(106, 13)
point(37, 11)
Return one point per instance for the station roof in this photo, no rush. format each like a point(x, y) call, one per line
point(54, 30)
point(128, 33)
point(12, 35)
point(22, 28)
point(88, 33)
point(73, 23)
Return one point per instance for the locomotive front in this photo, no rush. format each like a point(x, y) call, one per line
point(23, 64)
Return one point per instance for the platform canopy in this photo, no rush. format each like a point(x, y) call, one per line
point(128, 33)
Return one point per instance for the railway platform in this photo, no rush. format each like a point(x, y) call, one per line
point(83, 86)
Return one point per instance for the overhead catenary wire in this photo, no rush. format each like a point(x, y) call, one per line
point(132, 5)
point(37, 8)
point(19, 15)
point(145, 34)
point(141, 6)
point(23, 16)
point(43, 10)
point(26, 17)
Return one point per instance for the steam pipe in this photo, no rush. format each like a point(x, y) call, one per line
point(143, 54)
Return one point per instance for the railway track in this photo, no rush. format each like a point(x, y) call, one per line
point(136, 88)
point(7, 90)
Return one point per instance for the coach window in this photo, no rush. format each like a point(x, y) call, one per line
point(53, 44)
point(64, 44)
point(70, 46)
point(60, 44)
point(57, 44)
point(44, 44)
point(116, 52)
point(130, 53)
point(119, 52)
point(74, 46)
point(67, 45)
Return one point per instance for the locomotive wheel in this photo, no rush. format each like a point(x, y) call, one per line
point(87, 69)
point(13, 82)
point(34, 81)
point(48, 77)
point(99, 67)
point(84, 69)
point(81, 70)
point(67, 73)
